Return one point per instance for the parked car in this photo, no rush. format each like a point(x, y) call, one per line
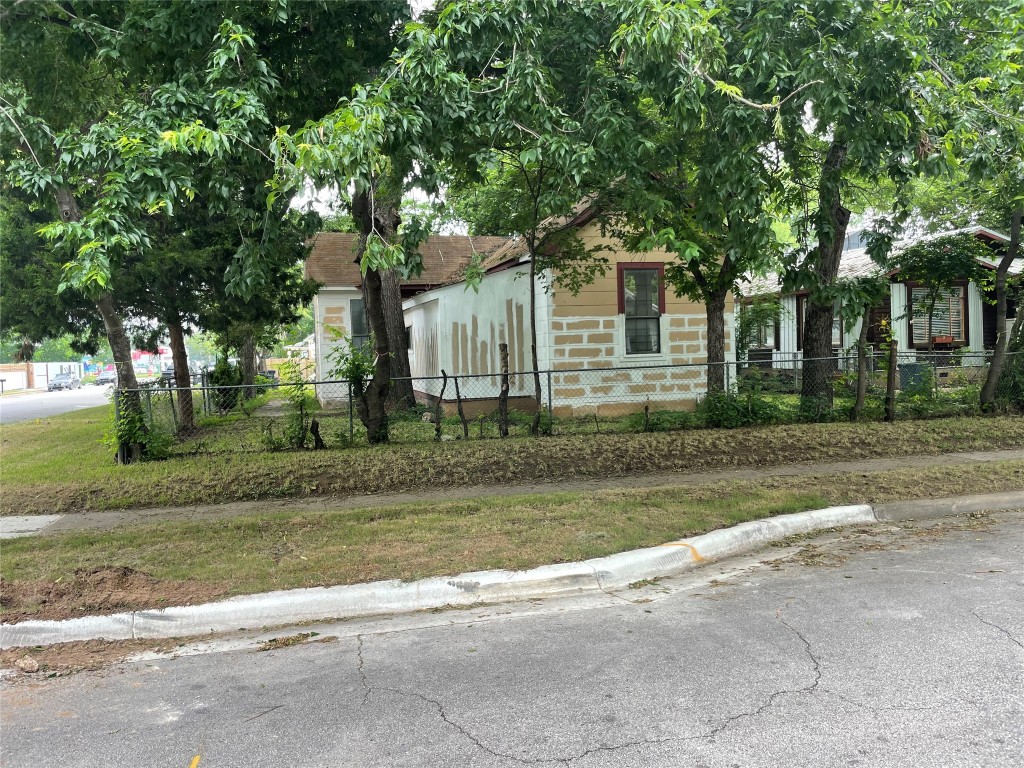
point(167, 374)
point(107, 377)
point(64, 381)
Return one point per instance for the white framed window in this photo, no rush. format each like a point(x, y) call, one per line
point(641, 300)
point(360, 330)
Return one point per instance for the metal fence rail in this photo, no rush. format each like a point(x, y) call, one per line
point(594, 399)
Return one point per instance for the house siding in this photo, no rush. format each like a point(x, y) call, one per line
point(587, 335)
point(468, 327)
point(331, 311)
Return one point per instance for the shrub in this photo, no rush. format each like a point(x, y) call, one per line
point(660, 421)
point(225, 377)
point(726, 410)
point(130, 428)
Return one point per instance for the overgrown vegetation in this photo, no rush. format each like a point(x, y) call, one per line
point(58, 465)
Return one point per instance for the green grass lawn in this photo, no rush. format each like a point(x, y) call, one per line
point(57, 464)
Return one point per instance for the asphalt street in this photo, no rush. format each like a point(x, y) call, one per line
point(40, 404)
point(894, 645)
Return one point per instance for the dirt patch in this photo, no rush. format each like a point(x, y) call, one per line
point(68, 658)
point(98, 591)
point(289, 640)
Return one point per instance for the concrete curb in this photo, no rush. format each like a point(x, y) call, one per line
point(960, 505)
point(384, 597)
point(387, 597)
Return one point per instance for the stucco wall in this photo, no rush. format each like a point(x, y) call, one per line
point(587, 335)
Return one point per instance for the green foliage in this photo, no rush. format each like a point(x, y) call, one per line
point(296, 429)
point(226, 378)
point(659, 421)
point(350, 363)
point(1010, 388)
point(761, 311)
point(130, 428)
point(938, 263)
point(727, 410)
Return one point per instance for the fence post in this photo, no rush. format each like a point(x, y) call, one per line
point(551, 413)
point(122, 449)
point(149, 405)
point(174, 413)
point(351, 422)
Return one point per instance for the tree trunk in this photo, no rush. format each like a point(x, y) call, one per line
point(130, 403)
point(862, 366)
point(715, 308)
point(371, 404)
point(833, 218)
point(995, 369)
point(535, 424)
point(503, 393)
point(182, 378)
point(377, 216)
point(402, 396)
point(248, 360)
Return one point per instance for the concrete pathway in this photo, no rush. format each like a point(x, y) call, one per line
point(107, 520)
point(25, 525)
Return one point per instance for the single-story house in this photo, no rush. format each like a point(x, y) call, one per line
point(610, 349)
point(338, 307)
point(964, 320)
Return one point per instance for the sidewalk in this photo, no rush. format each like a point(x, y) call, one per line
point(28, 525)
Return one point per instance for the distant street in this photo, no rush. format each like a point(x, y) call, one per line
point(894, 645)
point(38, 404)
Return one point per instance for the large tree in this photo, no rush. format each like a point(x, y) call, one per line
point(974, 60)
point(545, 82)
point(91, 92)
point(853, 66)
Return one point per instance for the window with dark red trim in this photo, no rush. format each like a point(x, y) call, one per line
point(642, 301)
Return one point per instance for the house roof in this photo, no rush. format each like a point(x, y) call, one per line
point(514, 249)
point(856, 262)
point(332, 260)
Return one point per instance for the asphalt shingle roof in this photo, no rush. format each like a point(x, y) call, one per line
point(331, 261)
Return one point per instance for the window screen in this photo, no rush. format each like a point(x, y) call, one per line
point(947, 318)
point(641, 291)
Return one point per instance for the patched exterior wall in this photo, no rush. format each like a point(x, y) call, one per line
point(331, 310)
point(588, 332)
point(459, 330)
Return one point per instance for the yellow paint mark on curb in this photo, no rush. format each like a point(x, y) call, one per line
point(693, 550)
point(195, 761)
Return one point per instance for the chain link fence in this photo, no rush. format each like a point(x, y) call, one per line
point(597, 399)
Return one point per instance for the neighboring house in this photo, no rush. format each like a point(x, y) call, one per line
point(964, 319)
point(338, 306)
point(625, 319)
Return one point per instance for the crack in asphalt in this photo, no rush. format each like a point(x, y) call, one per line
point(443, 714)
point(772, 697)
point(879, 710)
point(367, 689)
point(1004, 630)
point(600, 586)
